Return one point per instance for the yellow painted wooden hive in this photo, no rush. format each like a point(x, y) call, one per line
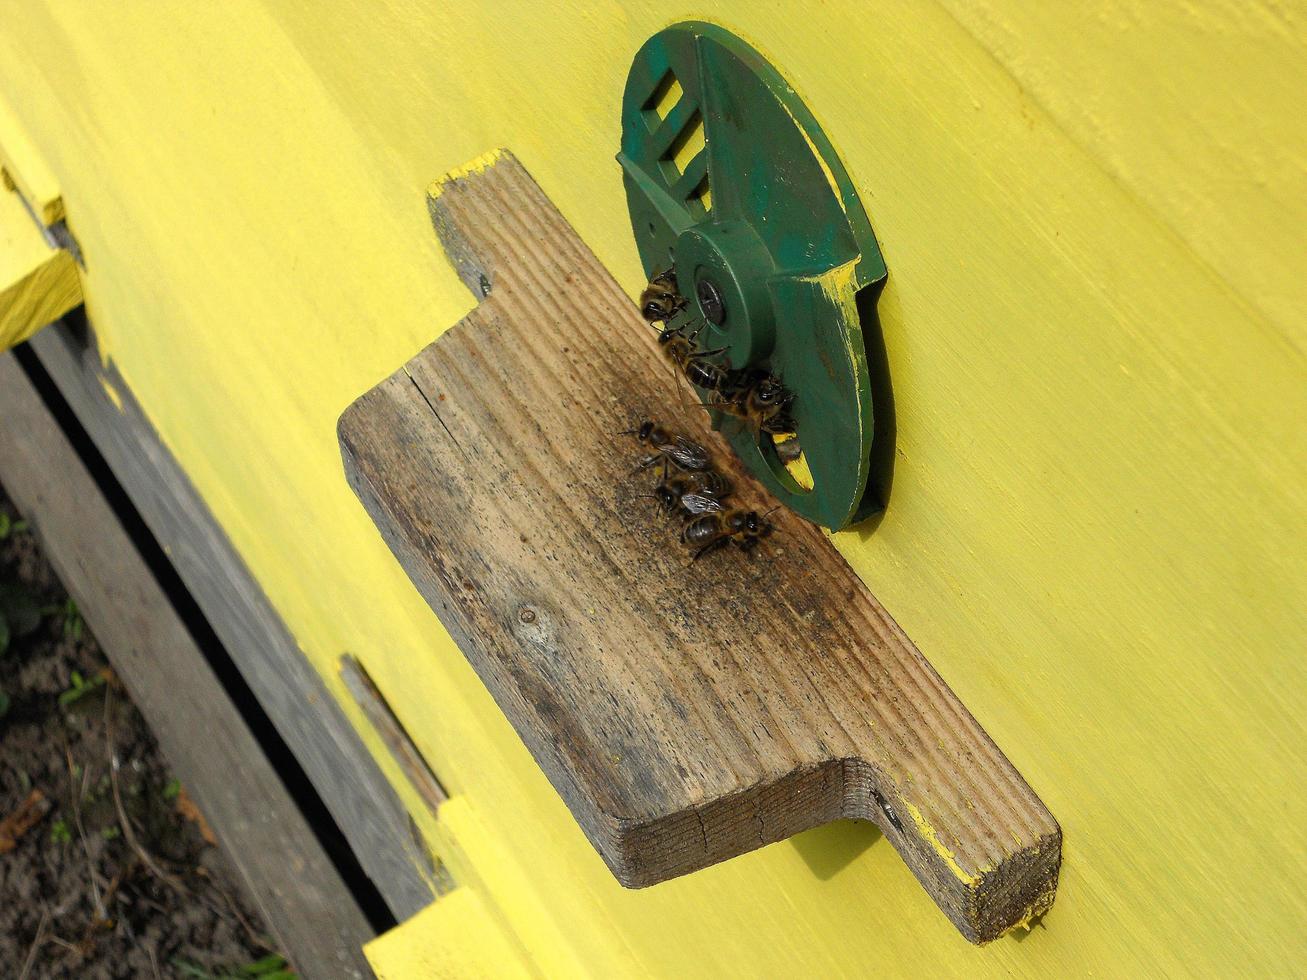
point(1094, 318)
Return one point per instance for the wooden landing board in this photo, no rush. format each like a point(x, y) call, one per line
point(686, 712)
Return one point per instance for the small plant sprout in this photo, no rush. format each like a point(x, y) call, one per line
point(80, 687)
point(10, 526)
point(60, 832)
point(273, 967)
point(73, 623)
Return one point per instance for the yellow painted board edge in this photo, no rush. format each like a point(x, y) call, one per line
point(26, 170)
point(455, 936)
point(37, 283)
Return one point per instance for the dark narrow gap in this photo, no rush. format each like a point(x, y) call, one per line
point(880, 477)
point(283, 760)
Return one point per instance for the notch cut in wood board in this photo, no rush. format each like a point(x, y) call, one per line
point(686, 712)
point(406, 755)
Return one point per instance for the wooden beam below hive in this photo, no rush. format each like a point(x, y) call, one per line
point(362, 803)
point(285, 870)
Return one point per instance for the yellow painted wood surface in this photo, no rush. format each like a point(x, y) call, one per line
point(23, 168)
point(453, 939)
point(1094, 317)
point(37, 283)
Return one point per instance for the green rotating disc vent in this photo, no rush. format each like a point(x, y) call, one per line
point(731, 182)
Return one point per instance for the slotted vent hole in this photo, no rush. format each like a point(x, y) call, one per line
point(689, 143)
point(702, 193)
point(665, 96)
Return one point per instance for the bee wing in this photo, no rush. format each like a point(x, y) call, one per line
point(697, 503)
point(686, 454)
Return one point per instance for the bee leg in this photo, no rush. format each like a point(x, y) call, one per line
point(710, 546)
point(678, 381)
point(648, 461)
point(729, 408)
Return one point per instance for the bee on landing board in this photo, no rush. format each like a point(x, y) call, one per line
point(695, 491)
point(690, 494)
point(669, 447)
point(718, 528)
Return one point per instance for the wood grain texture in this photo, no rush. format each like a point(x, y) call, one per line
point(263, 834)
point(686, 712)
point(360, 799)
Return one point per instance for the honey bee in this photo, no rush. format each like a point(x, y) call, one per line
point(719, 527)
point(669, 447)
point(762, 401)
point(689, 360)
point(789, 450)
point(690, 494)
point(661, 300)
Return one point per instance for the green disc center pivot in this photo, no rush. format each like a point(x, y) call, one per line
point(730, 180)
point(723, 270)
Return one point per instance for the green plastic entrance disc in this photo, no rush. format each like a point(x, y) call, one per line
point(731, 182)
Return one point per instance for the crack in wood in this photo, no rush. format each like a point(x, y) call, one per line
point(429, 405)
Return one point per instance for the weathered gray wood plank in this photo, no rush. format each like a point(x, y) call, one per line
point(310, 721)
point(286, 872)
point(686, 712)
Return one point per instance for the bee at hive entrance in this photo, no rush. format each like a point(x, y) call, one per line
point(763, 269)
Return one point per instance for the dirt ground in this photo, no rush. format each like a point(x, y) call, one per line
point(106, 867)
